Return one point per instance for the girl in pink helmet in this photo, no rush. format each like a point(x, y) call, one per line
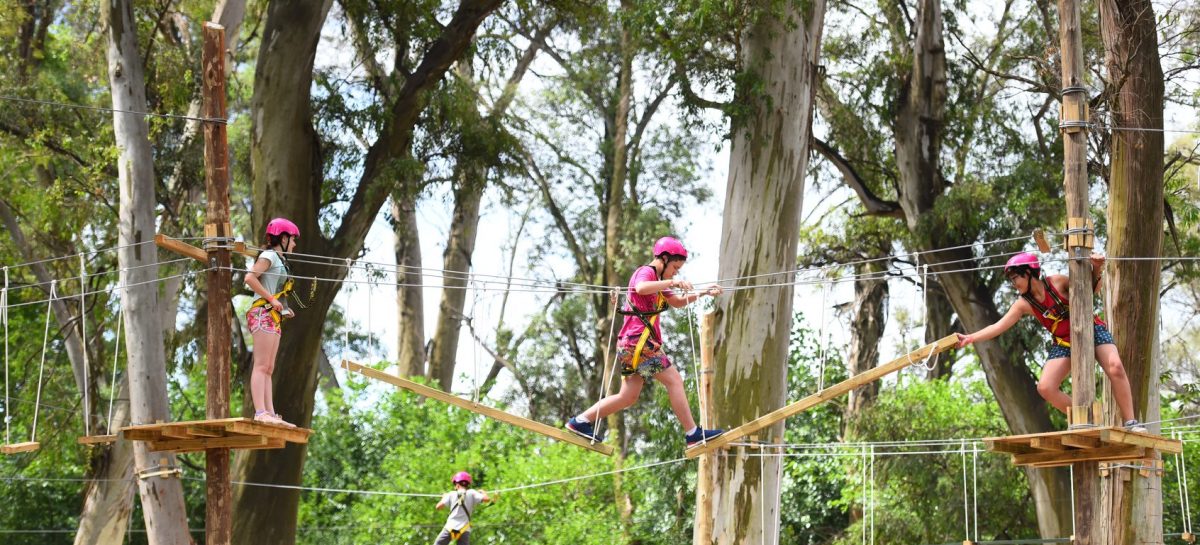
point(1046, 299)
point(640, 343)
point(462, 502)
point(269, 280)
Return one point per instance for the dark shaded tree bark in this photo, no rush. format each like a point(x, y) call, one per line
point(287, 168)
point(1135, 229)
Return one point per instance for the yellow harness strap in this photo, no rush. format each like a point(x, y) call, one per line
point(455, 534)
point(260, 302)
point(637, 350)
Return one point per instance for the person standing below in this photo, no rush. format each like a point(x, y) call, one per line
point(462, 502)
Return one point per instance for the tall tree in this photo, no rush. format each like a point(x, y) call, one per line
point(161, 496)
point(768, 159)
point(288, 163)
point(1135, 91)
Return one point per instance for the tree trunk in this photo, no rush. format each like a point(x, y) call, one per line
point(108, 501)
point(470, 179)
point(767, 165)
point(1135, 229)
point(282, 131)
point(918, 137)
point(162, 497)
point(410, 298)
point(866, 329)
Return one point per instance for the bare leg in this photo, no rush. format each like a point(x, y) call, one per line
point(631, 388)
point(1110, 361)
point(670, 378)
point(265, 346)
point(1050, 385)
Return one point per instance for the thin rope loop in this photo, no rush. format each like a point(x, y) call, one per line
point(822, 342)
point(966, 507)
point(605, 388)
point(42, 366)
point(975, 487)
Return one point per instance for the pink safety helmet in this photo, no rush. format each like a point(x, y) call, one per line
point(669, 245)
point(1023, 259)
point(462, 477)
point(281, 226)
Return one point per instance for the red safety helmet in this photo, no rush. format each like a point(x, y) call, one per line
point(462, 477)
point(669, 245)
point(282, 226)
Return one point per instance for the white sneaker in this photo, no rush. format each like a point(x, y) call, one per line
point(1135, 426)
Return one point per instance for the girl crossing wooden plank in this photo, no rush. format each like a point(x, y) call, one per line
point(269, 280)
point(1046, 299)
point(462, 502)
point(640, 348)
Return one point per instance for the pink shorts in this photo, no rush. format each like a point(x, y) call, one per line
point(259, 319)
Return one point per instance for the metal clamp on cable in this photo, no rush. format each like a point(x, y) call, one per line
point(1080, 233)
point(160, 471)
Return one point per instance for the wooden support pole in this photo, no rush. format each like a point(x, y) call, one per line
point(490, 412)
point(769, 419)
point(704, 472)
point(1074, 126)
point(218, 522)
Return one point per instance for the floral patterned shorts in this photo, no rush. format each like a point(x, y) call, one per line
point(259, 319)
point(652, 362)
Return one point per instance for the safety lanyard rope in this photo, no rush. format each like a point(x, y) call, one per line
point(87, 402)
point(614, 300)
point(42, 367)
point(4, 318)
point(112, 383)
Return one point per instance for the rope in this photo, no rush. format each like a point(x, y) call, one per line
point(1071, 469)
point(4, 318)
point(823, 345)
point(102, 273)
point(873, 506)
point(864, 500)
point(110, 110)
point(614, 299)
point(87, 405)
point(1185, 502)
point(966, 507)
point(975, 487)
point(116, 357)
point(699, 370)
point(126, 286)
point(762, 497)
point(42, 367)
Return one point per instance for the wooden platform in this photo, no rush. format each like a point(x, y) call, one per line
point(233, 433)
point(97, 439)
point(490, 412)
point(16, 448)
point(1107, 444)
point(766, 420)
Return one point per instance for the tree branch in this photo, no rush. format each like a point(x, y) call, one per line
point(874, 205)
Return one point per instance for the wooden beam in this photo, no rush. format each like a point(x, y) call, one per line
point(1047, 443)
point(1008, 448)
point(490, 412)
point(16, 448)
point(1081, 441)
point(96, 439)
point(1113, 435)
point(942, 345)
point(204, 443)
point(292, 435)
point(187, 250)
point(1115, 452)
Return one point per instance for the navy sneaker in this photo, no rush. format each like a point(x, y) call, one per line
point(1135, 426)
point(586, 430)
point(701, 435)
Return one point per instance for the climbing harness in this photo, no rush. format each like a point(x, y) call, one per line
point(649, 319)
point(1055, 314)
point(461, 502)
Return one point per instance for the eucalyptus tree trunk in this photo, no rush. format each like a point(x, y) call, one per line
point(869, 318)
point(470, 179)
point(286, 161)
point(162, 496)
point(918, 140)
point(760, 234)
point(410, 298)
point(939, 322)
point(1135, 229)
point(108, 501)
